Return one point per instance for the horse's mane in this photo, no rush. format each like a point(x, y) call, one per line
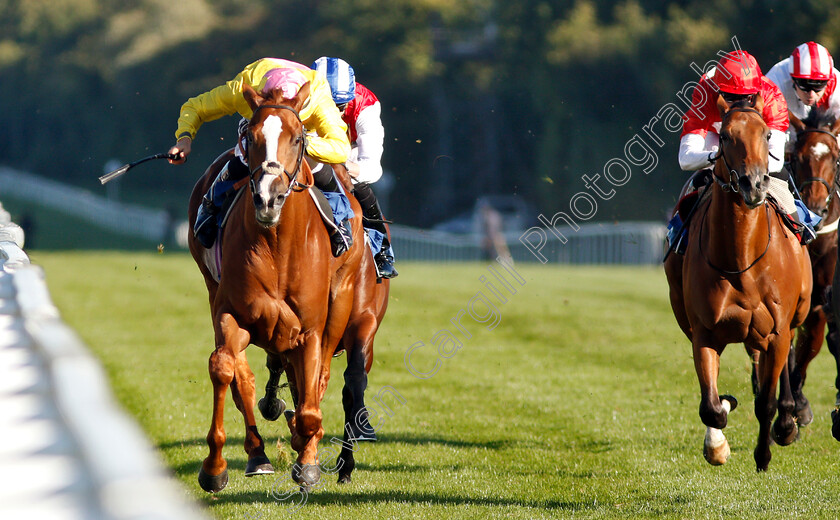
point(819, 118)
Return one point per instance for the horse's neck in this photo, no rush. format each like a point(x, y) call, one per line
point(735, 231)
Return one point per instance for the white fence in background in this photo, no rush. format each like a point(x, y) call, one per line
point(66, 449)
point(620, 243)
point(596, 243)
point(128, 219)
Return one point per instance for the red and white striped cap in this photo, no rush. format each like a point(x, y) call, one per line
point(811, 61)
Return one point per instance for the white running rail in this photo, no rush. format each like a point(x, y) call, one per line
point(67, 451)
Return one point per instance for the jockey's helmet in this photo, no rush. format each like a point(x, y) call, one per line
point(340, 76)
point(812, 66)
point(738, 73)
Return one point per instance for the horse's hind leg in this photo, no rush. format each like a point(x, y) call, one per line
point(244, 396)
point(270, 406)
point(713, 412)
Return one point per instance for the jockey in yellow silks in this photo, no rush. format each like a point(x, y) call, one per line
point(327, 138)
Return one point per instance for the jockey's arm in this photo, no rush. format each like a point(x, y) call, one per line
point(776, 147)
point(370, 138)
point(330, 144)
point(696, 151)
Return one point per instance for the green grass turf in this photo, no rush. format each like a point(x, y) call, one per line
point(581, 402)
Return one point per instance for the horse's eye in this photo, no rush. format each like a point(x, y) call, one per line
point(767, 136)
point(724, 137)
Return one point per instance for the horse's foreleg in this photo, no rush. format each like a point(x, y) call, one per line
point(356, 424)
point(808, 345)
point(771, 365)
point(833, 340)
point(306, 426)
point(213, 475)
point(230, 340)
point(270, 406)
point(244, 396)
point(713, 412)
point(785, 429)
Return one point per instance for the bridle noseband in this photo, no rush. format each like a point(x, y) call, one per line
point(294, 185)
point(734, 176)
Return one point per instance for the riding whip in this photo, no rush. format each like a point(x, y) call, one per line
point(122, 169)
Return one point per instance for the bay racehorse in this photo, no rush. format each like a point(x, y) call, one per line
point(280, 288)
point(744, 278)
point(814, 165)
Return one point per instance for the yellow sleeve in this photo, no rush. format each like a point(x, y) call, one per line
point(331, 145)
point(223, 100)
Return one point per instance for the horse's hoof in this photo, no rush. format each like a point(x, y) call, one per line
point(835, 424)
point(271, 409)
point(782, 437)
point(366, 433)
point(289, 415)
point(344, 479)
point(259, 466)
point(715, 447)
point(211, 483)
point(307, 475)
point(804, 415)
point(733, 403)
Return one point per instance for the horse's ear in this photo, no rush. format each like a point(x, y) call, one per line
point(251, 96)
point(758, 103)
point(722, 106)
point(834, 128)
point(300, 98)
point(795, 122)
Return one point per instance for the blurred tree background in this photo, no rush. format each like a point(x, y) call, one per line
point(478, 96)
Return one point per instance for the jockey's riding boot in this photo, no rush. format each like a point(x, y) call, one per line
point(372, 218)
point(206, 220)
point(206, 226)
point(341, 236)
point(385, 260)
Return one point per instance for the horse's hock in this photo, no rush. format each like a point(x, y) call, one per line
point(67, 450)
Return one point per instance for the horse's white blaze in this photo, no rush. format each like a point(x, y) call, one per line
point(272, 128)
point(819, 149)
point(265, 184)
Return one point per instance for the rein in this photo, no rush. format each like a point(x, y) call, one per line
point(744, 270)
point(294, 185)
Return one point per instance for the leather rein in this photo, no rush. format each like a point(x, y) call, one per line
point(732, 185)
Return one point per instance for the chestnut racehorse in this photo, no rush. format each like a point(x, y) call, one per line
point(369, 305)
point(814, 165)
point(744, 278)
point(280, 288)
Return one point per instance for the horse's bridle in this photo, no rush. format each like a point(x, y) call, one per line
point(810, 180)
point(734, 176)
point(294, 185)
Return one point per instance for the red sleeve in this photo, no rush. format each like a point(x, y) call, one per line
point(703, 111)
point(775, 107)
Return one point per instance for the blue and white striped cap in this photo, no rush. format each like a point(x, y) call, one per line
point(340, 76)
